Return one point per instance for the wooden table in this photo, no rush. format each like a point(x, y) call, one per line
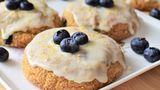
point(147, 81)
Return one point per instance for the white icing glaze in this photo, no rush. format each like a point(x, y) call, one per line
point(90, 63)
point(18, 20)
point(102, 18)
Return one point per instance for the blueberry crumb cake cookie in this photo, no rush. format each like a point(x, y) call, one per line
point(72, 58)
point(110, 17)
point(21, 20)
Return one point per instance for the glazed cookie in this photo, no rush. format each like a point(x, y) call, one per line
point(144, 5)
point(119, 21)
point(20, 24)
point(96, 63)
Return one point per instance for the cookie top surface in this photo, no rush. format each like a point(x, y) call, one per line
point(20, 20)
point(101, 18)
point(90, 63)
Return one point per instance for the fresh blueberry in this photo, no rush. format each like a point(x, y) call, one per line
point(3, 54)
point(25, 5)
point(138, 45)
point(152, 54)
point(92, 2)
point(80, 37)
point(106, 3)
point(155, 13)
point(60, 35)
point(69, 45)
point(9, 40)
point(12, 4)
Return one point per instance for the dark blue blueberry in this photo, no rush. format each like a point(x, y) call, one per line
point(12, 4)
point(138, 45)
point(152, 54)
point(80, 37)
point(155, 13)
point(25, 5)
point(106, 3)
point(3, 54)
point(92, 2)
point(69, 45)
point(9, 40)
point(60, 35)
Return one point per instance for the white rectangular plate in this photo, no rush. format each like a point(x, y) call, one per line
point(11, 75)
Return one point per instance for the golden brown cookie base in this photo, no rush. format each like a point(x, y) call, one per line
point(119, 31)
point(21, 39)
point(47, 80)
point(145, 5)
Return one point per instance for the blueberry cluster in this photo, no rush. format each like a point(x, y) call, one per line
point(19, 4)
point(3, 54)
point(141, 46)
point(103, 3)
point(155, 13)
point(70, 43)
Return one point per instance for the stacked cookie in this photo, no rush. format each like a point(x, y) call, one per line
point(84, 55)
